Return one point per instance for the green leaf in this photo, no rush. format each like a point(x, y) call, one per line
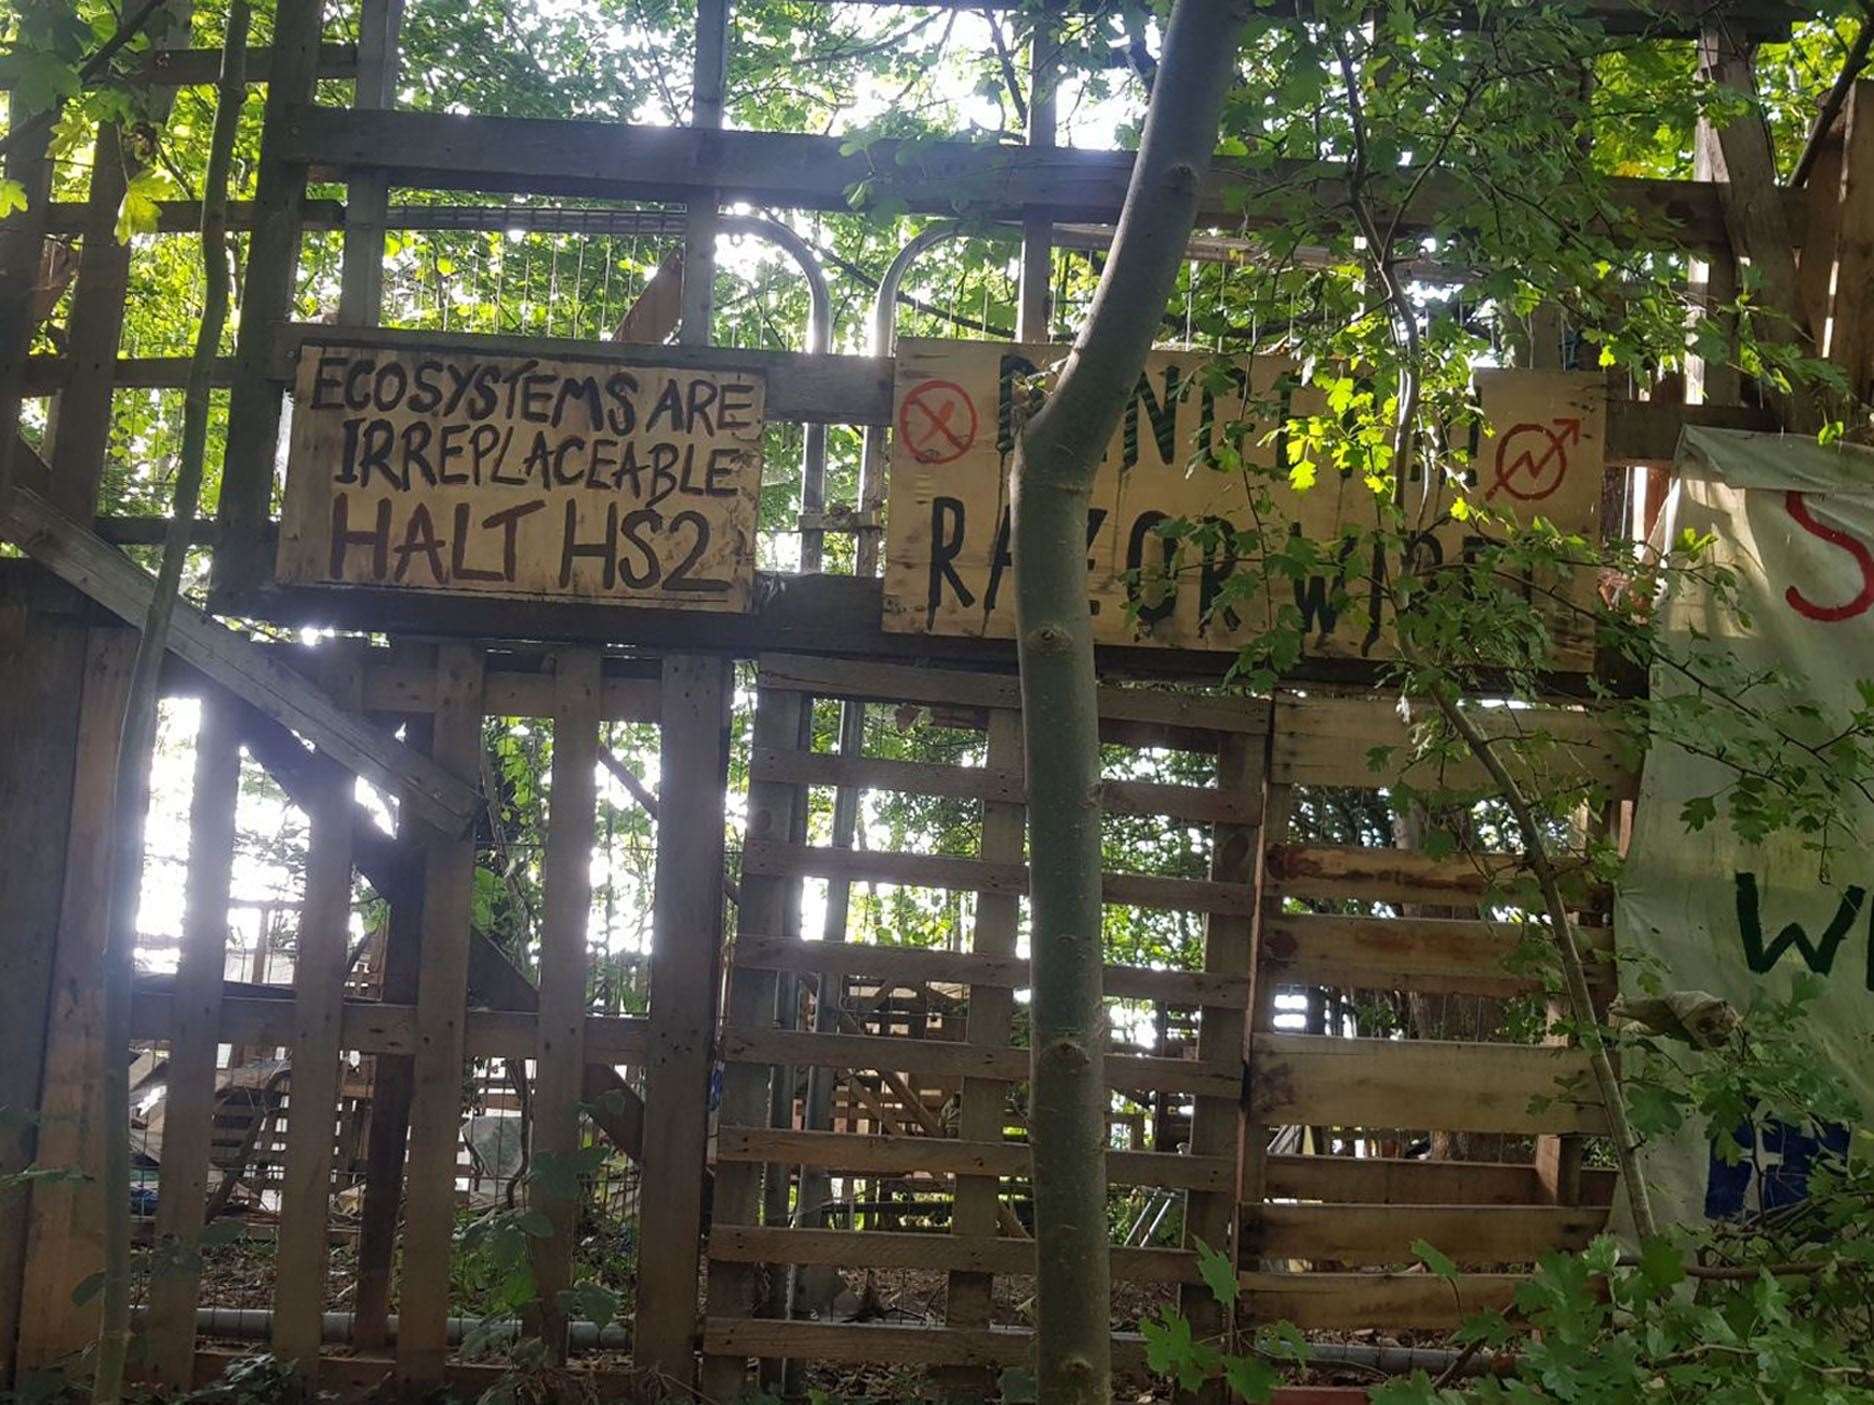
point(1661, 1264)
point(1433, 1260)
point(1218, 1272)
point(12, 197)
point(87, 1289)
point(535, 1224)
point(221, 1232)
point(1250, 1379)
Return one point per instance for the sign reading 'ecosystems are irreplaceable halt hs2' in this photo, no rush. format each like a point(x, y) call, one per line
point(443, 469)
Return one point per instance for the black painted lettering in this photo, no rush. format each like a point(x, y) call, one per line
point(358, 384)
point(669, 406)
point(374, 449)
point(582, 390)
point(389, 385)
point(1153, 590)
point(719, 480)
point(326, 388)
point(680, 577)
point(621, 417)
point(427, 395)
point(946, 541)
point(344, 538)
point(603, 550)
point(633, 529)
point(416, 437)
point(702, 404)
point(419, 539)
point(732, 410)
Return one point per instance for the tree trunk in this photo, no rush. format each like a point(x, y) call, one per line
point(1055, 460)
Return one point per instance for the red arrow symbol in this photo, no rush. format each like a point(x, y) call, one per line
point(1568, 431)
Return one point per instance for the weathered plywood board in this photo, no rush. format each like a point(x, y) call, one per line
point(948, 563)
point(459, 470)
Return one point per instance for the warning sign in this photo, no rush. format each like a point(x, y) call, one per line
point(949, 564)
point(460, 470)
point(1532, 459)
point(937, 422)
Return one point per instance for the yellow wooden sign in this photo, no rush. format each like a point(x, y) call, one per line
point(948, 561)
point(450, 470)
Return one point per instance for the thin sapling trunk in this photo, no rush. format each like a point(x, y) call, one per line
point(1055, 460)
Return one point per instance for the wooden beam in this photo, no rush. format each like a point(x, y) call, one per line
point(560, 1065)
point(1313, 1080)
point(442, 995)
point(920, 966)
point(123, 587)
point(686, 924)
point(1380, 1180)
point(950, 1060)
point(1471, 1235)
point(1357, 1301)
point(796, 171)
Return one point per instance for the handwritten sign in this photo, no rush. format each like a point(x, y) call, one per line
point(949, 566)
point(450, 470)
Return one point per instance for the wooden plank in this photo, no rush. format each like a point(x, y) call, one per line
point(1217, 1123)
point(1123, 1071)
point(686, 937)
point(189, 1106)
point(817, 389)
point(773, 815)
point(319, 970)
point(1851, 342)
point(1322, 1302)
point(795, 171)
point(1313, 1080)
point(1328, 741)
point(1377, 1180)
point(1450, 955)
point(974, 1255)
point(374, 1027)
point(65, 1239)
point(1198, 804)
point(124, 588)
point(950, 1156)
point(1470, 1235)
point(1759, 217)
point(872, 1343)
point(442, 994)
point(560, 1065)
point(1373, 874)
point(794, 767)
point(982, 1112)
point(268, 289)
point(983, 876)
point(918, 965)
point(42, 656)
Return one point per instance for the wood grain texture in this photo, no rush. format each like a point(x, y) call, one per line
point(442, 997)
point(1471, 1235)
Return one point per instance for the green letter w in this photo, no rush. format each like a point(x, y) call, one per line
point(1821, 957)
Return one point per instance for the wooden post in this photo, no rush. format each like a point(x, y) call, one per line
point(1252, 1155)
point(1751, 199)
point(1714, 285)
point(983, 1109)
point(22, 236)
point(441, 1002)
point(560, 1060)
point(65, 1241)
point(43, 658)
point(79, 425)
point(1037, 267)
point(324, 938)
point(241, 561)
point(1217, 1127)
point(1852, 313)
point(771, 810)
point(195, 1036)
point(392, 1075)
point(699, 236)
point(686, 935)
point(367, 194)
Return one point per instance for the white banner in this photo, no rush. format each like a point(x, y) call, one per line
point(1795, 524)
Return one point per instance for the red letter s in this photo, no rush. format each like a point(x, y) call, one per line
point(1830, 614)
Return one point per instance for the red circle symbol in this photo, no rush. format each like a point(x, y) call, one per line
point(1532, 460)
point(937, 421)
